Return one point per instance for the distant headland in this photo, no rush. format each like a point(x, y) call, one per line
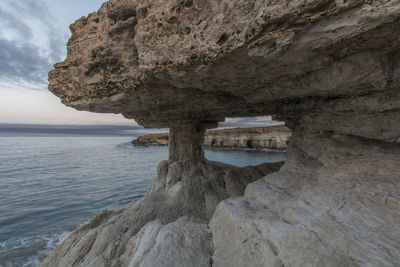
point(271, 137)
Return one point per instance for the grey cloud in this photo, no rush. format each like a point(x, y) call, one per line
point(38, 10)
point(9, 21)
point(21, 59)
point(33, 8)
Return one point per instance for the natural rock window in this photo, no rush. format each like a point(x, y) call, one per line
point(329, 69)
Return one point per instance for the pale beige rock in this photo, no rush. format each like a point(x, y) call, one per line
point(271, 137)
point(169, 226)
point(170, 61)
point(328, 206)
point(180, 243)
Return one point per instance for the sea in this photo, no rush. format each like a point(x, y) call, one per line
point(54, 179)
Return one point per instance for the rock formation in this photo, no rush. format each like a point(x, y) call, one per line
point(271, 137)
point(330, 69)
point(169, 227)
point(157, 139)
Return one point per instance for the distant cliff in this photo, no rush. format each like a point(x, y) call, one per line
point(272, 137)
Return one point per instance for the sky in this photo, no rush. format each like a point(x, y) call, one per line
point(33, 37)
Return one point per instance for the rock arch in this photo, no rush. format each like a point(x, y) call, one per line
point(329, 69)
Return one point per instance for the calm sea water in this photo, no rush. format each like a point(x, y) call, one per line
point(51, 185)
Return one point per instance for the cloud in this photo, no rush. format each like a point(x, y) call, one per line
point(32, 8)
point(37, 10)
point(22, 61)
point(9, 21)
point(30, 42)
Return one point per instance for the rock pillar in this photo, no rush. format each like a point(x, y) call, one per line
point(186, 141)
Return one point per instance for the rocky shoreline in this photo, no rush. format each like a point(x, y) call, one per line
point(329, 69)
point(271, 137)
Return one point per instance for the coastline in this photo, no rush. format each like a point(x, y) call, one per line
point(109, 169)
point(257, 138)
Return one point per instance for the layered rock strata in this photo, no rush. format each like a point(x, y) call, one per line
point(271, 137)
point(330, 69)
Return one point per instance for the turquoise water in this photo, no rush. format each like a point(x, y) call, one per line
point(51, 185)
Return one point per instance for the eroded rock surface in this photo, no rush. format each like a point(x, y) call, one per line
point(328, 206)
point(169, 227)
point(168, 61)
point(330, 69)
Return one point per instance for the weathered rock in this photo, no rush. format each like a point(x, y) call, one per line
point(330, 69)
point(186, 142)
point(180, 243)
point(328, 206)
point(271, 137)
point(165, 61)
point(171, 220)
point(157, 139)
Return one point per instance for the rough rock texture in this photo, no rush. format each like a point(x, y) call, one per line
point(329, 68)
point(340, 207)
point(169, 227)
point(169, 61)
point(271, 137)
point(186, 142)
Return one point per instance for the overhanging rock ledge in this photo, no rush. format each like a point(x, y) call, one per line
point(330, 69)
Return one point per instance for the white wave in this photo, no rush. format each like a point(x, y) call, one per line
point(27, 251)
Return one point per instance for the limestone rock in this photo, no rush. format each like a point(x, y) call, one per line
point(171, 220)
point(271, 137)
point(330, 69)
point(180, 243)
point(340, 207)
point(169, 61)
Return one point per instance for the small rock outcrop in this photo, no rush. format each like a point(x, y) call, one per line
point(157, 139)
point(330, 69)
point(271, 137)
